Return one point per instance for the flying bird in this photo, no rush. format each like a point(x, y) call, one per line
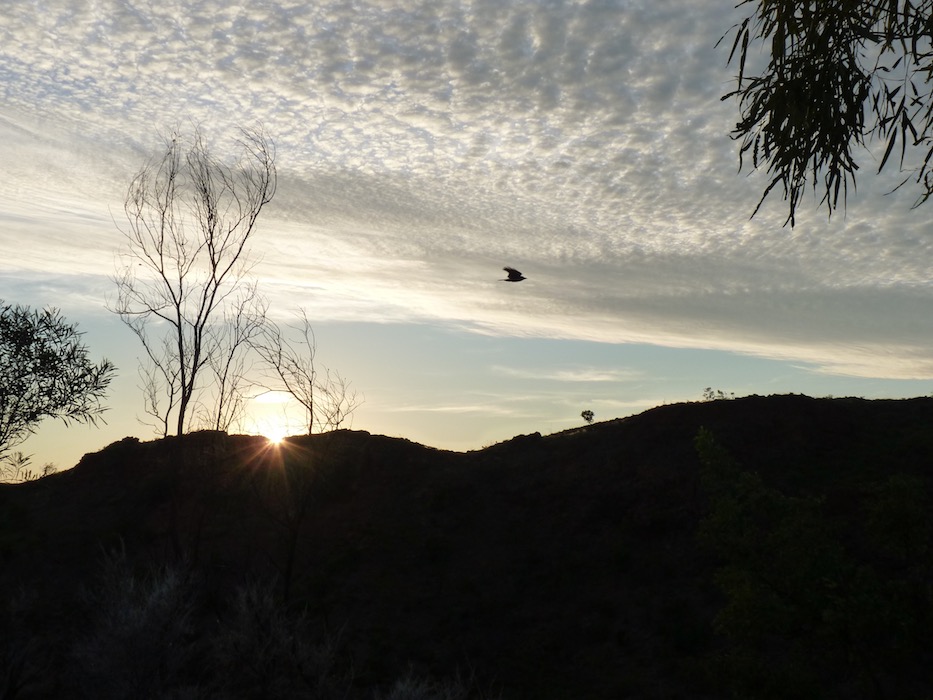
point(514, 275)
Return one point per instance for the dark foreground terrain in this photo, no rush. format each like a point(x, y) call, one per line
point(769, 547)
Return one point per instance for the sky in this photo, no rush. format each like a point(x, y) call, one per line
point(423, 145)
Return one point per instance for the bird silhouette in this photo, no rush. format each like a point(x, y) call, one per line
point(514, 275)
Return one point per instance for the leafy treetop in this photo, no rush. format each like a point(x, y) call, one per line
point(45, 372)
point(840, 74)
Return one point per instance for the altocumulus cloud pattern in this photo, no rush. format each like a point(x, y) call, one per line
point(425, 141)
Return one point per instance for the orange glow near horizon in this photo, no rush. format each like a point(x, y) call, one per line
point(275, 434)
point(272, 416)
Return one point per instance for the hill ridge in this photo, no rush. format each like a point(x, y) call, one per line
point(564, 565)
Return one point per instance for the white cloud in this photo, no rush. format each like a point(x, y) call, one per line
point(574, 374)
point(484, 409)
point(424, 145)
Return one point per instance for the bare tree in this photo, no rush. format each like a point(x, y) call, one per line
point(325, 395)
point(190, 216)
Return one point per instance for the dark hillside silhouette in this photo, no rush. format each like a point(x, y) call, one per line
point(592, 563)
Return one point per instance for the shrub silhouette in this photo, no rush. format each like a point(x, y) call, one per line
point(141, 638)
point(809, 611)
point(412, 687)
point(156, 632)
point(262, 650)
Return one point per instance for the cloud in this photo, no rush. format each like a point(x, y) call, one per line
point(424, 145)
point(483, 409)
point(577, 374)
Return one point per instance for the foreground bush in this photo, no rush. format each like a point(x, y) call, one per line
point(159, 633)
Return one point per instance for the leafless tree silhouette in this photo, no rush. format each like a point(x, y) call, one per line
point(182, 282)
point(325, 395)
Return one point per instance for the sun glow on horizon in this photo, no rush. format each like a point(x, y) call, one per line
point(272, 415)
point(275, 433)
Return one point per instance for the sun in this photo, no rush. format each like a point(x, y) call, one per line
point(269, 416)
point(275, 433)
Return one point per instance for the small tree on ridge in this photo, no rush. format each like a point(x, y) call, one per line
point(325, 395)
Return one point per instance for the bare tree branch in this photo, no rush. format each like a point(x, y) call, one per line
point(230, 365)
point(190, 217)
point(326, 396)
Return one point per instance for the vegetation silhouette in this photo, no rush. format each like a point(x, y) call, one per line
point(182, 281)
point(45, 372)
point(838, 76)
